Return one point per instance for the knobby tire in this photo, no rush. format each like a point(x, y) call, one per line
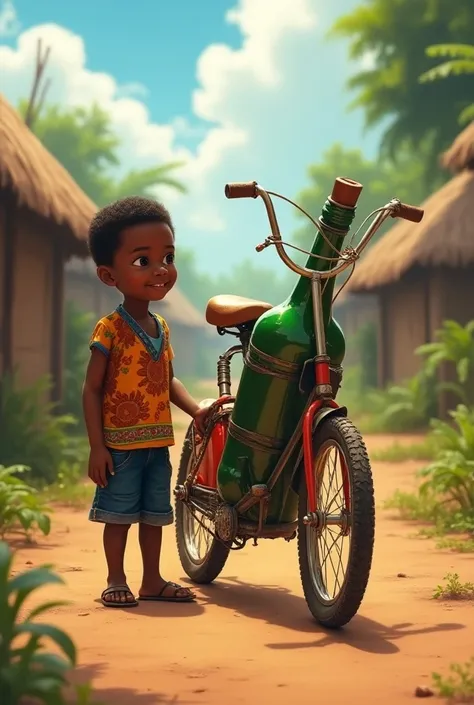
point(346, 605)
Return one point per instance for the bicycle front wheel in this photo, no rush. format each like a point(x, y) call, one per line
point(335, 555)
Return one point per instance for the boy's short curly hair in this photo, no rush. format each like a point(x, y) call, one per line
point(108, 223)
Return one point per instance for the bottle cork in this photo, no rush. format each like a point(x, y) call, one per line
point(346, 192)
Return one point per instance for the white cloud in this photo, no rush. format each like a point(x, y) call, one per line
point(9, 24)
point(273, 106)
point(128, 90)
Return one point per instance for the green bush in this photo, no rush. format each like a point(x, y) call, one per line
point(459, 687)
point(446, 495)
point(454, 345)
point(69, 488)
point(410, 406)
point(78, 328)
point(28, 670)
point(30, 431)
point(401, 408)
point(396, 409)
point(451, 475)
point(20, 505)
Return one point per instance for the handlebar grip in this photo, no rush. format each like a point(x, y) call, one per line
point(412, 213)
point(246, 189)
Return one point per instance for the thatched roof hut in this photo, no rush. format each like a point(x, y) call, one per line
point(40, 182)
point(443, 238)
point(44, 218)
point(422, 274)
point(460, 155)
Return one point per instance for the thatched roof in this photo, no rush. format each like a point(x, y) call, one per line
point(39, 181)
point(176, 308)
point(460, 155)
point(443, 238)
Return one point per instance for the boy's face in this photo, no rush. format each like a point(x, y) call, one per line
point(143, 266)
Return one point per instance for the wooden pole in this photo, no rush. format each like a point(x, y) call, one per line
point(33, 109)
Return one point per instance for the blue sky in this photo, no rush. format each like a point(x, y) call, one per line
point(240, 89)
point(156, 46)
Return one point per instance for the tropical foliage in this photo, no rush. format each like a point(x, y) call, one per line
point(460, 62)
point(28, 671)
point(20, 505)
point(387, 40)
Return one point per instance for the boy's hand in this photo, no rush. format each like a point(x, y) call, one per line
point(100, 461)
point(200, 418)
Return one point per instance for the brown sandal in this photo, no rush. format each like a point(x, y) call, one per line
point(117, 603)
point(190, 597)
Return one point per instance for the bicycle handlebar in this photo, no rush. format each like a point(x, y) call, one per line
point(394, 209)
point(247, 189)
point(412, 213)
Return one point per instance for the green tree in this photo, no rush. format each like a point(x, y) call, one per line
point(381, 180)
point(460, 62)
point(83, 141)
point(246, 279)
point(395, 33)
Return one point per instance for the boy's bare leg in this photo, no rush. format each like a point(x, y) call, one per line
point(115, 541)
point(153, 584)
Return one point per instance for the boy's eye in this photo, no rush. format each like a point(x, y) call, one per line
point(141, 262)
point(169, 259)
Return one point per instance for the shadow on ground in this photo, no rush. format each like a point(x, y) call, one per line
point(120, 696)
point(279, 607)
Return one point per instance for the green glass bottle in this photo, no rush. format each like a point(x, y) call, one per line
point(270, 405)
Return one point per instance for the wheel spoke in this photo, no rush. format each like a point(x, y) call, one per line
point(329, 571)
point(195, 533)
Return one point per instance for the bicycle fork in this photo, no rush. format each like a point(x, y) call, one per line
point(324, 398)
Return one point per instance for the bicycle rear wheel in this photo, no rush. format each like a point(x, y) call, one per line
point(202, 556)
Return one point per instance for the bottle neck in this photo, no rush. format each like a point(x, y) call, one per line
point(336, 222)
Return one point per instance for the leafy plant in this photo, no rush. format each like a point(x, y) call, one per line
point(459, 687)
point(20, 504)
point(459, 63)
point(405, 407)
point(454, 589)
point(28, 670)
point(455, 345)
point(69, 488)
point(451, 475)
point(31, 432)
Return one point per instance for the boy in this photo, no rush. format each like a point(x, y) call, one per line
point(127, 392)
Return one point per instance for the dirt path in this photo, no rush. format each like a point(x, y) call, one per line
point(250, 637)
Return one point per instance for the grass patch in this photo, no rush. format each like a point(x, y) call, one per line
point(456, 545)
point(77, 495)
point(458, 687)
point(427, 508)
point(398, 452)
point(454, 589)
point(413, 507)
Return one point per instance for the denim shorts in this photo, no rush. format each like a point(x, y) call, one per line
point(139, 491)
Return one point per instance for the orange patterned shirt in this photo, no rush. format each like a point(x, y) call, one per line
point(136, 402)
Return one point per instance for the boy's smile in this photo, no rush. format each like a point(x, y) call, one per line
point(143, 267)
